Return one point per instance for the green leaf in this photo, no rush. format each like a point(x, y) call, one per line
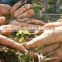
point(25, 57)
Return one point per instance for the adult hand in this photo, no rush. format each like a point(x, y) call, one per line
point(19, 11)
point(4, 9)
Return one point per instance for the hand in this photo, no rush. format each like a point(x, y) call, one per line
point(19, 11)
point(4, 9)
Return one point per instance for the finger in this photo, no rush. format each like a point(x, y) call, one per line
point(27, 14)
point(14, 8)
point(2, 20)
point(5, 6)
point(59, 20)
point(22, 9)
point(7, 29)
point(4, 9)
point(52, 25)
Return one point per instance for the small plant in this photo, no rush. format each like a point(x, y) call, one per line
point(25, 57)
point(23, 35)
